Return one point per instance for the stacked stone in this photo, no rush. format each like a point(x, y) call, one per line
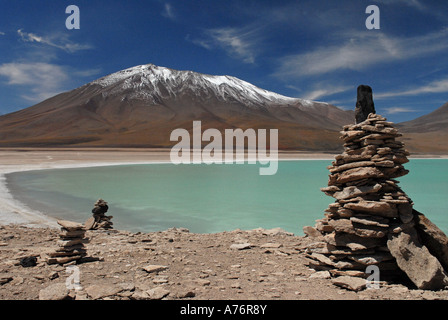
point(99, 220)
point(70, 245)
point(369, 203)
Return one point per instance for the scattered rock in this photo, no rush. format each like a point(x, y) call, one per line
point(350, 283)
point(57, 291)
point(241, 246)
point(27, 262)
point(157, 293)
point(101, 291)
point(5, 278)
point(320, 275)
point(154, 268)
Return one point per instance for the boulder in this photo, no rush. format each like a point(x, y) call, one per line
point(422, 268)
point(434, 239)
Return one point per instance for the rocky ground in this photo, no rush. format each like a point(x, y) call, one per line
point(176, 264)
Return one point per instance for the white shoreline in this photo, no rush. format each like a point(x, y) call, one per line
point(13, 211)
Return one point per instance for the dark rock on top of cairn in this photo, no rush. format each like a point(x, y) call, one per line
point(364, 103)
point(99, 220)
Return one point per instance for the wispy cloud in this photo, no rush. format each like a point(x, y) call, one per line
point(360, 51)
point(43, 80)
point(322, 90)
point(396, 110)
point(437, 86)
point(241, 43)
point(412, 3)
point(56, 41)
point(2, 33)
point(168, 11)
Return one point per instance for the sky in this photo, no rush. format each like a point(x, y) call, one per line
point(309, 49)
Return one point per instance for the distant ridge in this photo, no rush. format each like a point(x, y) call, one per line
point(428, 133)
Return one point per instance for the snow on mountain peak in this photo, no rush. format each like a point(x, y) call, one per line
point(147, 78)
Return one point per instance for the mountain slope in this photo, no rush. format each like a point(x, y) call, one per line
point(140, 106)
point(428, 133)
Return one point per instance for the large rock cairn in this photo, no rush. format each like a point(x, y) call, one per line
point(372, 221)
point(70, 245)
point(99, 220)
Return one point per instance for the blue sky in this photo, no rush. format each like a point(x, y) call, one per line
point(312, 49)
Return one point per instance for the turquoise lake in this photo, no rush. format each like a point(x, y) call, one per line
point(211, 198)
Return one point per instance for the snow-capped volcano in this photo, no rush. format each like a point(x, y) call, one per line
point(154, 82)
point(142, 105)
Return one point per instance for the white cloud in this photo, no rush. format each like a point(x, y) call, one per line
point(412, 3)
point(360, 51)
point(2, 33)
point(168, 11)
point(240, 43)
point(325, 91)
point(60, 41)
point(395, 110)
point(437, 86)
point(43, 80)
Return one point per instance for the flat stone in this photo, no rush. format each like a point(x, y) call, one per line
point(272, 245)
point(346, 226)
point(310, 232)
point(157, 293)
point(352, 165)
point(62, 260)
point(65, 234)
point(320, 275)
point(355, 191)
point(90, 223)
point(99, 291)
point(371, 259)
point(352, 241)
point(154, 268)
point(382, 209)
point(356, 174)
point(70, 225)
point(57, 291)
point(350, 283)
point(241, 246)
point(369, 220)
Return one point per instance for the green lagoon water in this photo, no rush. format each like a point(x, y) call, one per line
point(211, 198)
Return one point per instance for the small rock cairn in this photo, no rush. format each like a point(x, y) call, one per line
point(99, 220)
point(372, 222)
point(71, 243)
